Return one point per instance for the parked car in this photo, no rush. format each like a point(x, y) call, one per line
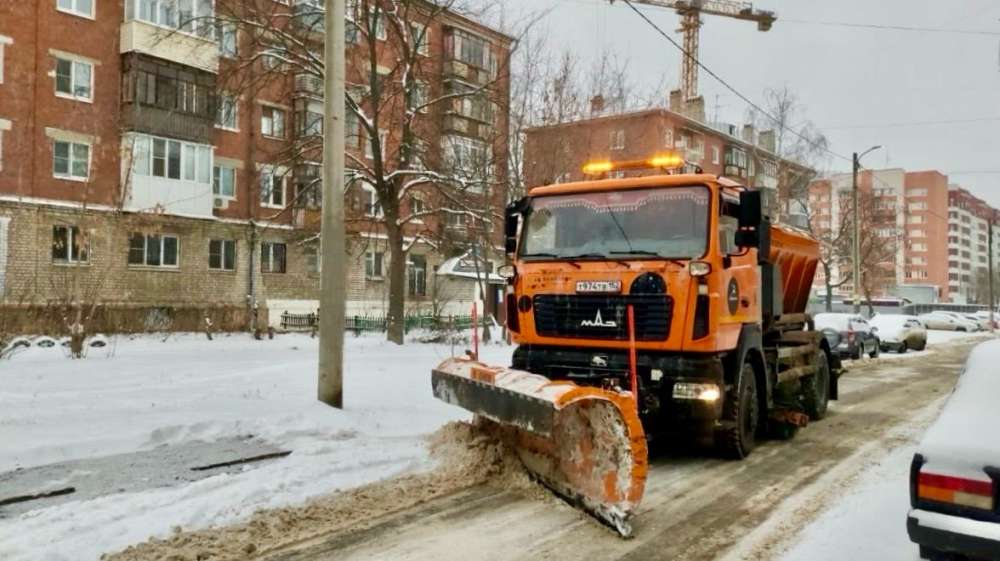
point(984, 317)
point(900, 332)
point(849, 335)
point(955, 473)
point(946, 321)
point(983, 323)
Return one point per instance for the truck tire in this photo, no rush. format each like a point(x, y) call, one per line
point(742, 417)
point(816, 389)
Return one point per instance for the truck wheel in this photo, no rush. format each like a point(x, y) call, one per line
point(816, 389)
point(743, 417)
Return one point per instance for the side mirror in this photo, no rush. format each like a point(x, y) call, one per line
point(751, 214)
point(506, 272)
point(512, 221)
point(752, 233)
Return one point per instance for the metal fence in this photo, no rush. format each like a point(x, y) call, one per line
point(376, 323)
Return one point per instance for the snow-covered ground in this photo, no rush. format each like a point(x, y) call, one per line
point(146, 392)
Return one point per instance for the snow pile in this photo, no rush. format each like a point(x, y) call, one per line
point(469, 454)
point(146, 392)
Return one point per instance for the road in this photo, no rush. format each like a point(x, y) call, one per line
point(695, 507)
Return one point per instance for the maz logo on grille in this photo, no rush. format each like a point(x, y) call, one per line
point(598, 321)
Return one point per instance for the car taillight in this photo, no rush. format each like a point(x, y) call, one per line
point(850, 336)
point(957, 491)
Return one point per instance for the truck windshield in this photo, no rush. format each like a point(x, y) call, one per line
point(665, 222)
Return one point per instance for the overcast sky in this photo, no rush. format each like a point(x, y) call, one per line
point(858, 85)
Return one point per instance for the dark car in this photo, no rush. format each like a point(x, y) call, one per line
point(849, 335)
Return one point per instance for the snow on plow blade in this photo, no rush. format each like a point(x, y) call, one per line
point(586, 444)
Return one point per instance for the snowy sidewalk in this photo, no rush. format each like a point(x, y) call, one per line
point(143, 393)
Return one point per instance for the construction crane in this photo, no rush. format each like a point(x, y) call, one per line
point(690, 12)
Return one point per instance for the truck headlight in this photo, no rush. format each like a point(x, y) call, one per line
point(700, 392)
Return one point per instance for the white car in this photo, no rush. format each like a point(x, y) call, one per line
point(947, 321)
point(984, 317)
point(955, 474)
point(900, 332)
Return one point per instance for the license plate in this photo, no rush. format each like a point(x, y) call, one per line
point(599, 286)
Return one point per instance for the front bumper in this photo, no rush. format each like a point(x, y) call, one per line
point(954, 534)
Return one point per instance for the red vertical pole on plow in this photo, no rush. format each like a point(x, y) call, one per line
point(475, 331)
point(633, 376)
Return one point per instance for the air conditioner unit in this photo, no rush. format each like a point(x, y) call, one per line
point(221, 203)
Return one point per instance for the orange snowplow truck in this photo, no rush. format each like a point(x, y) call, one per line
point(643, 307)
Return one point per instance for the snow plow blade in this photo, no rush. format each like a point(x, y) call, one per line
point(585, 444)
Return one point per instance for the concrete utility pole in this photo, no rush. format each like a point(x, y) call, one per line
point(992, 301)
point(332, 273)
point(856, 241)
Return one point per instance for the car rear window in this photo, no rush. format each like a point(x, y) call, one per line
point(832, 321)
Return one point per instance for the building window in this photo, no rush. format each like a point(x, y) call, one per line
point(83, 8)
point(918, 247)
point(314, 262)
point(153, 250)
point(618, 140)
point(383, 136)
point(455, 220)
point(272, 122)
point(4, 40)
point(224, 182)
point(172, 159)
point(272, 189)
point(467, 155)
point(272, 257)
point(311, 119)
point(5, 125)
point(373, 264)
point(71, 160)
point(416, 272)
point(222, 255)
point(472, 50)
point(74, 79)
point(668, 138)
point(225, 35)
point(421, 38)
point(227, 113)
point(68, 245)
point(188, 16)
point(373, 208)
point(417, 207)
point(715, 155)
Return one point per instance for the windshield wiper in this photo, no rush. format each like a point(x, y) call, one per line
point(646, 252)
point(552, 256)
point(598, 256)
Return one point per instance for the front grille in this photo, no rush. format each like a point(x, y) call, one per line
point(602, 316)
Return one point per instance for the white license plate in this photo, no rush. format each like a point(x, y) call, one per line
point(599, 286)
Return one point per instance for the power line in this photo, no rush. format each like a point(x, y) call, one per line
point(916, 124)
point(725, 83)
point(894, 27)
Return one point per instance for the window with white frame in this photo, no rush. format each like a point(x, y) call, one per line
point(454, 220)
point(273, 257)
point(4, 40)
point(920, 205)
point(473, 50)
point(381, 29)
point(369, 197)
point(224, 182)
point(227, 113)
point(421, 38)
point(74, 79)
point(383, 136)
point(272, 121)
point(272, 188)
point(172, 159)
point(186, 16)
point(468, 155)
point(71, 160)
point(83, 8)
point(417, 207)
point(420, 95)
point(374, 261)
point(5, 125)
point(416, 274)
point(618, 140)
point(69, 245)
point(918, 247)
point(668, 138)
point(153, 250)
point(227, 38)
point(222, 255)
point(917, 192)
point(715, 155)
point(311, 119)
point(314, 260)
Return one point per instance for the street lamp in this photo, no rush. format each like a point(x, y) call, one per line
point(856, 299)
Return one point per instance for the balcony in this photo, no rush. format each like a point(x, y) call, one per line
point(455, 123)
point(167, 176)
point(309, 17)
point(169, 100)
point(308, 85)
point(170, 44)
point(467, 73)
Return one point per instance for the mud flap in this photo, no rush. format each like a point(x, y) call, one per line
point(585, 444)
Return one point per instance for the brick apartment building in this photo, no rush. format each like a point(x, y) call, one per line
point(969, 219)
point(556, 153)
point(132, 175)
point(937, 233)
